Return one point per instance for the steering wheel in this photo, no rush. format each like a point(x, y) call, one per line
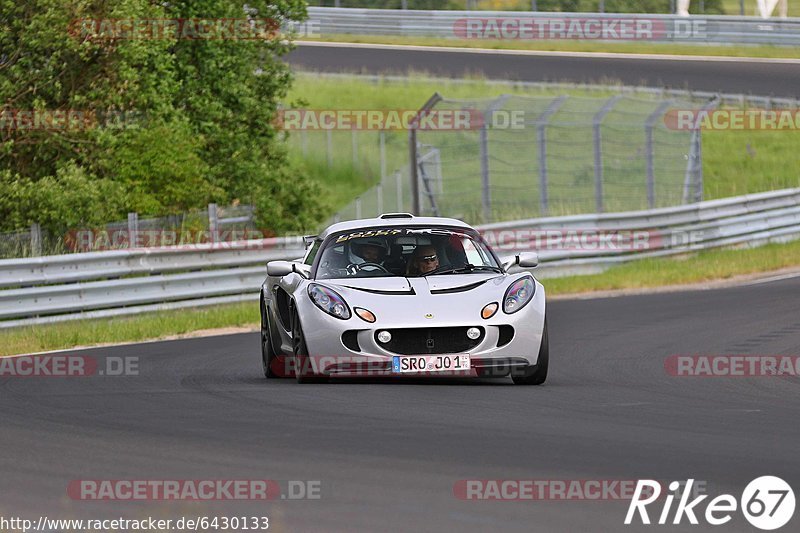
point(353, 268)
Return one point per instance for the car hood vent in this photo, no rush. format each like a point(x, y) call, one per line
point(457, 288)
point(379, 285)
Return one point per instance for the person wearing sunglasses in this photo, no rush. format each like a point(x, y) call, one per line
point(423, 261)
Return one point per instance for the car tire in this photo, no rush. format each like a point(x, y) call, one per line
point(267, 352)
point(303, 371)
point(536, 374)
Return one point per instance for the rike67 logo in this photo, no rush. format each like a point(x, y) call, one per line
point(767, 503)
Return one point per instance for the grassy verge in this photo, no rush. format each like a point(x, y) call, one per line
point(135, 328)
point(575, 46)
point(698, 268)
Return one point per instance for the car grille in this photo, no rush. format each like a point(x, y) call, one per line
point(419, 341)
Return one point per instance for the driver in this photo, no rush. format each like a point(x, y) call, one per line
point(371, 251)
point(424, 260)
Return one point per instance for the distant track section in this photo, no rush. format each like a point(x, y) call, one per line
point(775, 77)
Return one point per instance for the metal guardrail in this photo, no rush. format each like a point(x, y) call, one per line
point(59, 288)
point(454, 24)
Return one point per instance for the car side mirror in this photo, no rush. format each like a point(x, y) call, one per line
point(525, 260)
point(279, 268)
point(528, 260)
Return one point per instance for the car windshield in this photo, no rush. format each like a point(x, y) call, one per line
point(405, 252)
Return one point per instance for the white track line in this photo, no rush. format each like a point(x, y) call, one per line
point(544, 53)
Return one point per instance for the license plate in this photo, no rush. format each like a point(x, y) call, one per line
point(430, 363)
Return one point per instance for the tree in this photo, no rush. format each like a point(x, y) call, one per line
point(196, 113)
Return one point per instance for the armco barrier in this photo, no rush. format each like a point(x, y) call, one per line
point(327, 21)
point(58, 288)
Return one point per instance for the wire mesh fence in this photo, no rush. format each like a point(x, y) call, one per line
point(216, 224)
point(545, 156)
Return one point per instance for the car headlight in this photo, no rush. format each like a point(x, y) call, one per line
point(329, 301)
point(518, 295)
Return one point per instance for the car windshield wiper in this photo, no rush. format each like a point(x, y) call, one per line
point(468, 268)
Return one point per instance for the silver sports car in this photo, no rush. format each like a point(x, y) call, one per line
point(400, 295)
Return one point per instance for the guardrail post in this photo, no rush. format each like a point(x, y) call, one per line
point(133, 229)
point(213, 222)
point(601, 7)
point(533, 6)
point(598, 154)
point(358, 207)
point(36, 240)
point(379, 193)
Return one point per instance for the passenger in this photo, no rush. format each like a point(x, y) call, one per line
point(424, 261)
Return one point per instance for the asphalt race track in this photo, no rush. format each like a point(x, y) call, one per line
point(387, 454)
point(763, 78)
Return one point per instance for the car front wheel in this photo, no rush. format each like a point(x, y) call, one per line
point(536, 374)
point(303, 369)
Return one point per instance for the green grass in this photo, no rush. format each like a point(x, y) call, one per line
point(31, 339)
point(697, 268)
point(633, 47)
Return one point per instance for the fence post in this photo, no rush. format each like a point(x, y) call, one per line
point(379, 192)
point(649, 151)
point(329, 135)
point(412, 169)
point(602, 6)
point(213, 222)
point(693, 178)
point(598, 154)
point(412, 153)
point(133, 229)
point(541, 140)
point(358, 207)
point(398, 176)
point(36, 240)
point(382, 139)
point(486, 193)
point(354, 142)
